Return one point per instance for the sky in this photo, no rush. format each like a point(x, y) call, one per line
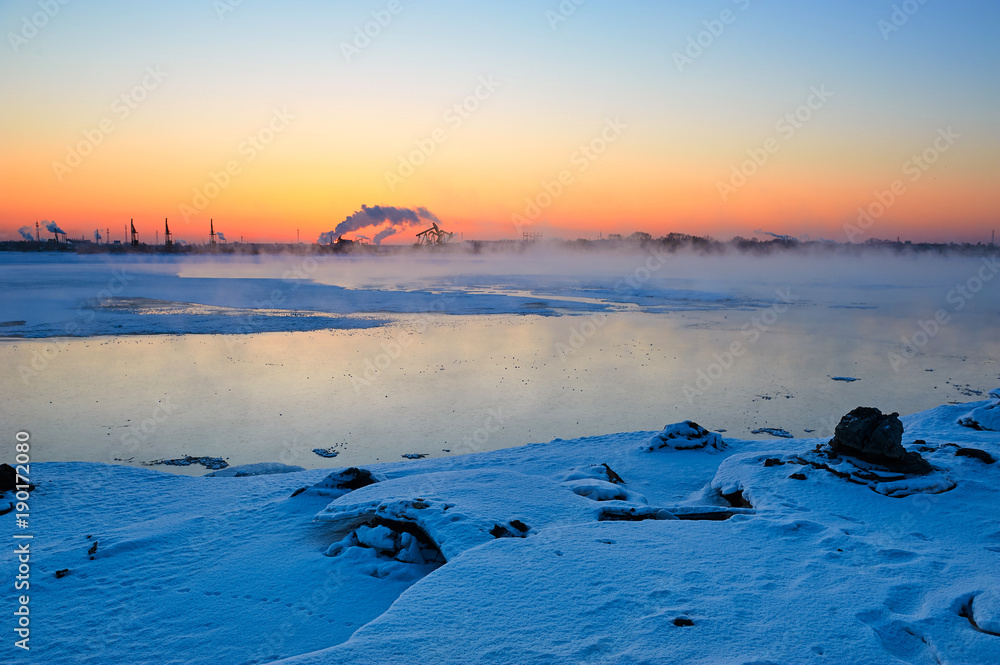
point(845, 120)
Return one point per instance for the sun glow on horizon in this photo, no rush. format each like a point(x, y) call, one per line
point(605, 121)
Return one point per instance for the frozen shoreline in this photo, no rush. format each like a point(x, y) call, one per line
point(235, 570)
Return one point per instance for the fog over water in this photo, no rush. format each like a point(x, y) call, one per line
point(264, 359)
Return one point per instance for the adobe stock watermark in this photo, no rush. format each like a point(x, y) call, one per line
point(753, 330)
point(42, 357)
point(248, 149)
point(364, 34)
point(224, 7)
point(121, 108)
point(562, 12)
point(899, 17)
point(914, 168)
point(394, 348)
point(130, 441)
point(493, 422)
point(580, 160)
point(291, 281)
point(786, 126)
point(958, 298)
point(32, 25)
point(22, 541)
point(697, 45)
point(453, 118)
point(579, 335)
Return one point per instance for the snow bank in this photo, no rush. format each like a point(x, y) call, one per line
point(985, 610)
point(582, 551)
point(985, 417)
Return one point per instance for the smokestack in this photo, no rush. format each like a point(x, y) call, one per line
point(54, 229)
point(211, 232)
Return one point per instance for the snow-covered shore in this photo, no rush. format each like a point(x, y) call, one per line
point(596, 550)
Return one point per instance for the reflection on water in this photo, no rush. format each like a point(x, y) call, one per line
point(431, 384)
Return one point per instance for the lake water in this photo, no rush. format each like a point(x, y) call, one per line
point(564, 349)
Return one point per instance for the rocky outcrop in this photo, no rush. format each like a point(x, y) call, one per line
point(871, 436)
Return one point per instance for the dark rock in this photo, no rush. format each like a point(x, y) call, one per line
point(519, 525)
point(625, 516)
point(773, 461)
point(869, 435)
point(326, 452)
point(414, 455)
point(62, 573)
point(351, 479)
point(683, 621)
point(711, 516)
point(736, 499)
point(499, 531)
point(299, 491)
point(8, 476)
point(798, 476)
point(633, 514)
point(773, 431)
point(975, 453)
point(8, 479)
point(866, 430)
point(971, 424)
point(211, 463)
point(93, 550)
point(612, 476)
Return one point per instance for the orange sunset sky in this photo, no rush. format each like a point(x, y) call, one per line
point(712, 118)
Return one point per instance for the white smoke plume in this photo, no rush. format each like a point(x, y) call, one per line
point(397, 218)
point(384, 233)
point(52, 227)
point(775, 235)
